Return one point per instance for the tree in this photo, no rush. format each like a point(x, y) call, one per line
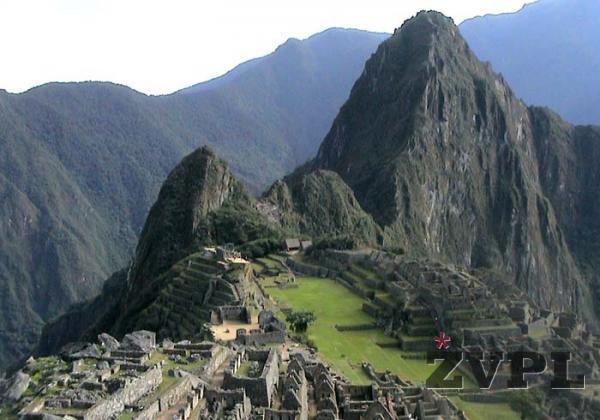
point(299, 321)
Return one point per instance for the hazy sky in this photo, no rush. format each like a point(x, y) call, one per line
point(161, 46)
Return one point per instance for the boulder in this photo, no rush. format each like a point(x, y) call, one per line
point(89, 351)
point(103, 365)
point(167, 344)
point(139, 341)
point(108, 341)
point(15, 386)
point(85, 396)
point(71, 348)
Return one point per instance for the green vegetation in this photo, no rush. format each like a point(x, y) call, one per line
point(261, 247)
point(300, 320)
point(270, 263)
point(251, 369)
point(333, 304)
point(485, 411)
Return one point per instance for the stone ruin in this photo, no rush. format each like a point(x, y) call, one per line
point(230, 313)
point(140, 379)
point(271, 330)
point(415, 299)
point(127, 376)
point(310, 390)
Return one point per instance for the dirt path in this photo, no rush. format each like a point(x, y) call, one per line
point(226, 331)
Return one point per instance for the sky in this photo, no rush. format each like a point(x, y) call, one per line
point(157, 47)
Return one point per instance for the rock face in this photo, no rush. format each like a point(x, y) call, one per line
point(139, 341)
point(15, 386)
point(450, 164)
point(88, 351)
point(199, 185)
point(108, 341)
point(318, 204)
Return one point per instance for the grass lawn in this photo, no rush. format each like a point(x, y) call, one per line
point(280, 258)
point(486, 411)
point(271, 263)
point(257, 267)
point(333, 304)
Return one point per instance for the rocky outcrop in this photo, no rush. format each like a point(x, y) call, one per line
point(200, 185)
point(108, 341)
point(200, 203)
point(321, 204)
point(13, 388)
point(144, 341)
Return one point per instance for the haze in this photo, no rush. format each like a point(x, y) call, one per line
point(158, 47)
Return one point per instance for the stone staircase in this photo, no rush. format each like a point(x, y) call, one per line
point(418, 332)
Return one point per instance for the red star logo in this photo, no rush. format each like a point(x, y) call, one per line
point(443, 341)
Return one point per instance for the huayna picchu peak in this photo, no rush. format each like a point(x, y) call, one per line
point(446, 159)
point(440, 213)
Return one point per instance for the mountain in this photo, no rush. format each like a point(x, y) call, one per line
point(200, 203)
point(431, 156)
point(81, 163)
point(450, 164)
point(548, 52)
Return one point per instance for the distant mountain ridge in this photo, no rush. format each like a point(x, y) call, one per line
point(548, 52)
point(81, 164)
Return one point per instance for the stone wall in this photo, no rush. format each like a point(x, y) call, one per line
point(298, 267)
point(220, 354)
point(230, 398)
point(259, 390)
point(356, 290)
point(357, 327)
point(271, 414)
point(149, 413)
point(374, 283)
point(370, 310)
point(230, 313)
point(132, 392)
point(174, 394)
point(256, 337)
point(387, 307)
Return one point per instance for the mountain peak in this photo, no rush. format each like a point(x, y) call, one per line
point(201, 183)
point(438, 150)
point(422, 66)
